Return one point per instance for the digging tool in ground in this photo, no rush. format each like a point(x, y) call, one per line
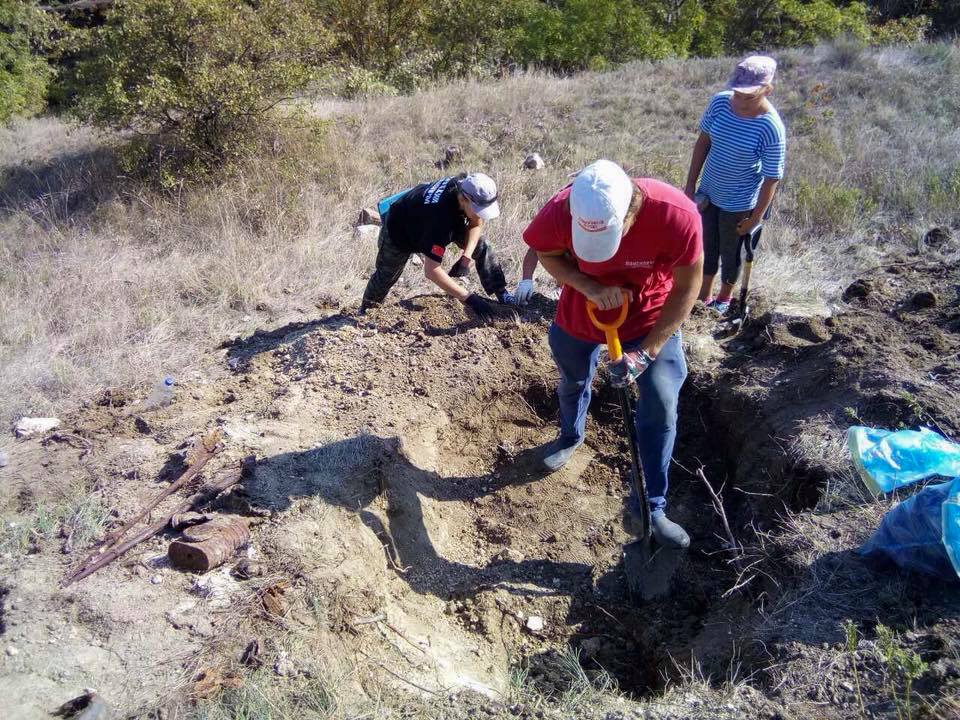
point(748, 243)
point(648, 565)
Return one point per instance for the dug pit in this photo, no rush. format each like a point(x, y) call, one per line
point(437, 514)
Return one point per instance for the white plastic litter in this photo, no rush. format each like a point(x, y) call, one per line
point(26, 427)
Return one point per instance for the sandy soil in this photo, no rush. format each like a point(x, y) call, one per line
point(403, 534)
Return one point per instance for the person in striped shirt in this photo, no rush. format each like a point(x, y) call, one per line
point(741, 151)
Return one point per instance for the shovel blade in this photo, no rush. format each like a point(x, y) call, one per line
point(649, 568)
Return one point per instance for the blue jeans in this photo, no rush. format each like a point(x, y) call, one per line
point(656, 413)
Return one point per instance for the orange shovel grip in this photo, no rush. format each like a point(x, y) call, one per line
point(610, 329)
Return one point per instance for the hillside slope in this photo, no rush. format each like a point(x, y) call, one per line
point(402, 535)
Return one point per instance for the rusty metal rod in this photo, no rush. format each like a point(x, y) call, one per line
point(205, 494)
point(208, 447)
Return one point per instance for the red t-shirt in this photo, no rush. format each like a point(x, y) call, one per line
point(666, 233)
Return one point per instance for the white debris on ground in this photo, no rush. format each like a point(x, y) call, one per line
point(535, 623)
point(27, 427)
point(216, 587)
point(366, 233)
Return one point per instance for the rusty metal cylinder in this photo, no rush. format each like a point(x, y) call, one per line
point(208, 545)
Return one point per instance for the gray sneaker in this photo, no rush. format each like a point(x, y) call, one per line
point(668, 533)
point(556, 455)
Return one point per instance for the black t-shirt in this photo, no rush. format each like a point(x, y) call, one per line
point(427, 219)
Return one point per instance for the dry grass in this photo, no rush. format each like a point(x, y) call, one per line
point(103, 283)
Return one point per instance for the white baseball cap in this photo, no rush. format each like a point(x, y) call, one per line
point(599, 200)
point(481, 191)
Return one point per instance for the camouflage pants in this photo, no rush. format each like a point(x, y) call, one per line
point(391, 261)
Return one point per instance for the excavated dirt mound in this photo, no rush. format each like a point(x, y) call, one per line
point(404, 534)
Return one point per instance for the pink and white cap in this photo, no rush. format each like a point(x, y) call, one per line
point(599, 201)
point(752, 74)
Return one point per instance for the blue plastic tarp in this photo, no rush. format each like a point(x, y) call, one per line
point(922, 533)
point(889, 459)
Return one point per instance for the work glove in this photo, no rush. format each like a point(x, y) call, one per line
point(506, 298)
point(628, 368)
point(523, 292)
point(461, 268)
point(487, 311)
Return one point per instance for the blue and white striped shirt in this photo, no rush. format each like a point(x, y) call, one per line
point(743, 151)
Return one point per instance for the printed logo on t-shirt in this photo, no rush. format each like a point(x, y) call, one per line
point(438, 250)
point(639, 263)
point(433, 193)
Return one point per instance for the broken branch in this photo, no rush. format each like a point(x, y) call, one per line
point(717, 503)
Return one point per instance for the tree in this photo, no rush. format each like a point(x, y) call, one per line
point(204, 73)
point(376, 34)
point(24, 72)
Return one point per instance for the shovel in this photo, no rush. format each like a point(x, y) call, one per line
point(648, 565)
point(750, 242)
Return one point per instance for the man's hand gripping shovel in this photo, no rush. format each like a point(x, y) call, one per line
point(648, 565)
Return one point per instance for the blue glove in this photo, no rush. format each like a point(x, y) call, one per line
point(628, 368)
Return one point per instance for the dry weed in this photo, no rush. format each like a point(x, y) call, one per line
point(106, 284)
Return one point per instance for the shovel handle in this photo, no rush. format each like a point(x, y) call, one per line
point(610, 329)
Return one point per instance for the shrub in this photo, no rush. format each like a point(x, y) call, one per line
point(201, 73)
point(900, 31)
point(24, 72)
point(830, 207)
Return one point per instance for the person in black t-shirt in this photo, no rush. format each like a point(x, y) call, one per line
point(426, 219)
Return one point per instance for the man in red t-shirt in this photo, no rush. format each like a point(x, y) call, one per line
point(604, 234)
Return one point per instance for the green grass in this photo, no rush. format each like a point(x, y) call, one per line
point(79, 516)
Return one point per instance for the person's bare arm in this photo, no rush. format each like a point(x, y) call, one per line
point(563, 268)
point(435, 273)
point(767, 191)
point(700, 150)
point(474, 233)
point(529, 266)
point(676, 309)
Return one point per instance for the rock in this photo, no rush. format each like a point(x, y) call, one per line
point(857, 290)
point(533, 161)
point(924, 299)
point(416, 260)
point(247, 568)
point(283, 666)
point(368, 216)
point(12, 651)
point(366, 233)
point(535, 623)
point(156, 579)
point(4, 459)
point(89, 706)
point(451, 154)
point(509, 555)
point(26, 427)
